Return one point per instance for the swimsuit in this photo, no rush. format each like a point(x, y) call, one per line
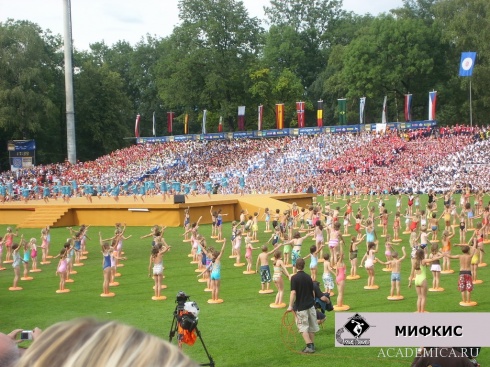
point(436, 266)
point(419, 278)
point(158, 269)
point(314, 261)
point(277, 273)
point(216, 272)
point(340, 274)
point(248, 253)
point(353, 255)
point(62, 266)
point(107, 261)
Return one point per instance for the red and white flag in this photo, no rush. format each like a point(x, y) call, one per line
point(241, 118)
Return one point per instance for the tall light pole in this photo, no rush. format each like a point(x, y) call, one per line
point(70, 105)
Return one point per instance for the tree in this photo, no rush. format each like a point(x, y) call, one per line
point(207, 58)
point(466, 27)
point(29, 75)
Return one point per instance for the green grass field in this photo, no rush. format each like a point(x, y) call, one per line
point(244, 330)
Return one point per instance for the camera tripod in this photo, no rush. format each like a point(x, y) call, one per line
point(176, 320)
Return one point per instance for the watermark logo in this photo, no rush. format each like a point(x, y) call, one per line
point(356, 326)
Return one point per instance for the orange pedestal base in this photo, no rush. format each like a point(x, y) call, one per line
point(63, 290)
point(277, 305)
point(238, 264)
point(386, 269)
point(208, 290)
point(232, 257)
point(395, 298)
point(288, 265)
point(15, 288)
point(447, 271)
point(4, 269)
point(26, 278)
point(478, 281)
point(198, 270)
point(269, 231)
point(221, 241)
point(110, 294)
point(78, 264)
point(73, 272)
point(69, 281)
point(341, 308)
point(202, 280)
point(266, 291)
point(34, 270)
point(214, 301)
point(436, 289)
point(49, 257)
point(186, 241)
point(346, 235)
point(248, 272)
point(117, 275)
point(482, 265)
point(190, 255)
point(83, 257)
point(113, 284)
point(160, 298)
point(8, 261)
point(353, 277)
point(468, 304)
point(194, 262)
point(397, 240)
point(43, 262)
point(120, 265)
point(371, 287)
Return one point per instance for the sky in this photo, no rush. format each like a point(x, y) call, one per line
point(130, 20)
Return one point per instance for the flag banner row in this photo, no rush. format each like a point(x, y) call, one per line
point(300, 113)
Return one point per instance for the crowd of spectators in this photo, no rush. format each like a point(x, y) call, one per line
point(412, 160)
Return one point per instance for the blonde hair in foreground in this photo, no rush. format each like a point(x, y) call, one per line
point(87, 342)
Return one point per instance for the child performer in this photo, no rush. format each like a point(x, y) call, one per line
point(435, 268)
point(314, 251)
point(353, 256)
point(265, 272)
point(465, 283)
point(279, 269)
point(61, 270)
point(328, 274)
point(340, 278)
point(395, 265)
point(156, 259)
point(215, 267)
point(248, 253)
point(418, 275)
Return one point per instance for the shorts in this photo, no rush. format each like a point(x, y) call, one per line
point(328, 281)
point(465, 282)
point(265, 274)
point(295, 256)
point(306, 321)
point(395, 277)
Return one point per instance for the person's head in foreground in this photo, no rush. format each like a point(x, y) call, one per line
point(87, 342)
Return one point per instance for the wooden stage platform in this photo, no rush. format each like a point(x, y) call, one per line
point(105, 211)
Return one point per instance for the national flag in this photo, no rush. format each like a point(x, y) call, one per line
point(362, 106)
point(319, 114)
point(432, 105)
point(408, 107)
point(137, 126)
point(186, 123)
point(467, 63)
point(154, 131)
point(241, 118)
point(300, 110)
point(383, 115)
point(280, 116)
point(220, 125)
point(204, 121)
point(342, 111)
point(260, 117)
point(170, 121)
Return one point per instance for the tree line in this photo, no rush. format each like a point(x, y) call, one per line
point(219, 58)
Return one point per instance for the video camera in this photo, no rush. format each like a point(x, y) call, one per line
point(181, 299)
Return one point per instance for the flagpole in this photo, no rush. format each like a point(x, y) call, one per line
point(471, 111)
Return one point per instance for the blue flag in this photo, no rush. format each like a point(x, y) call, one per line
point(467, 63)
